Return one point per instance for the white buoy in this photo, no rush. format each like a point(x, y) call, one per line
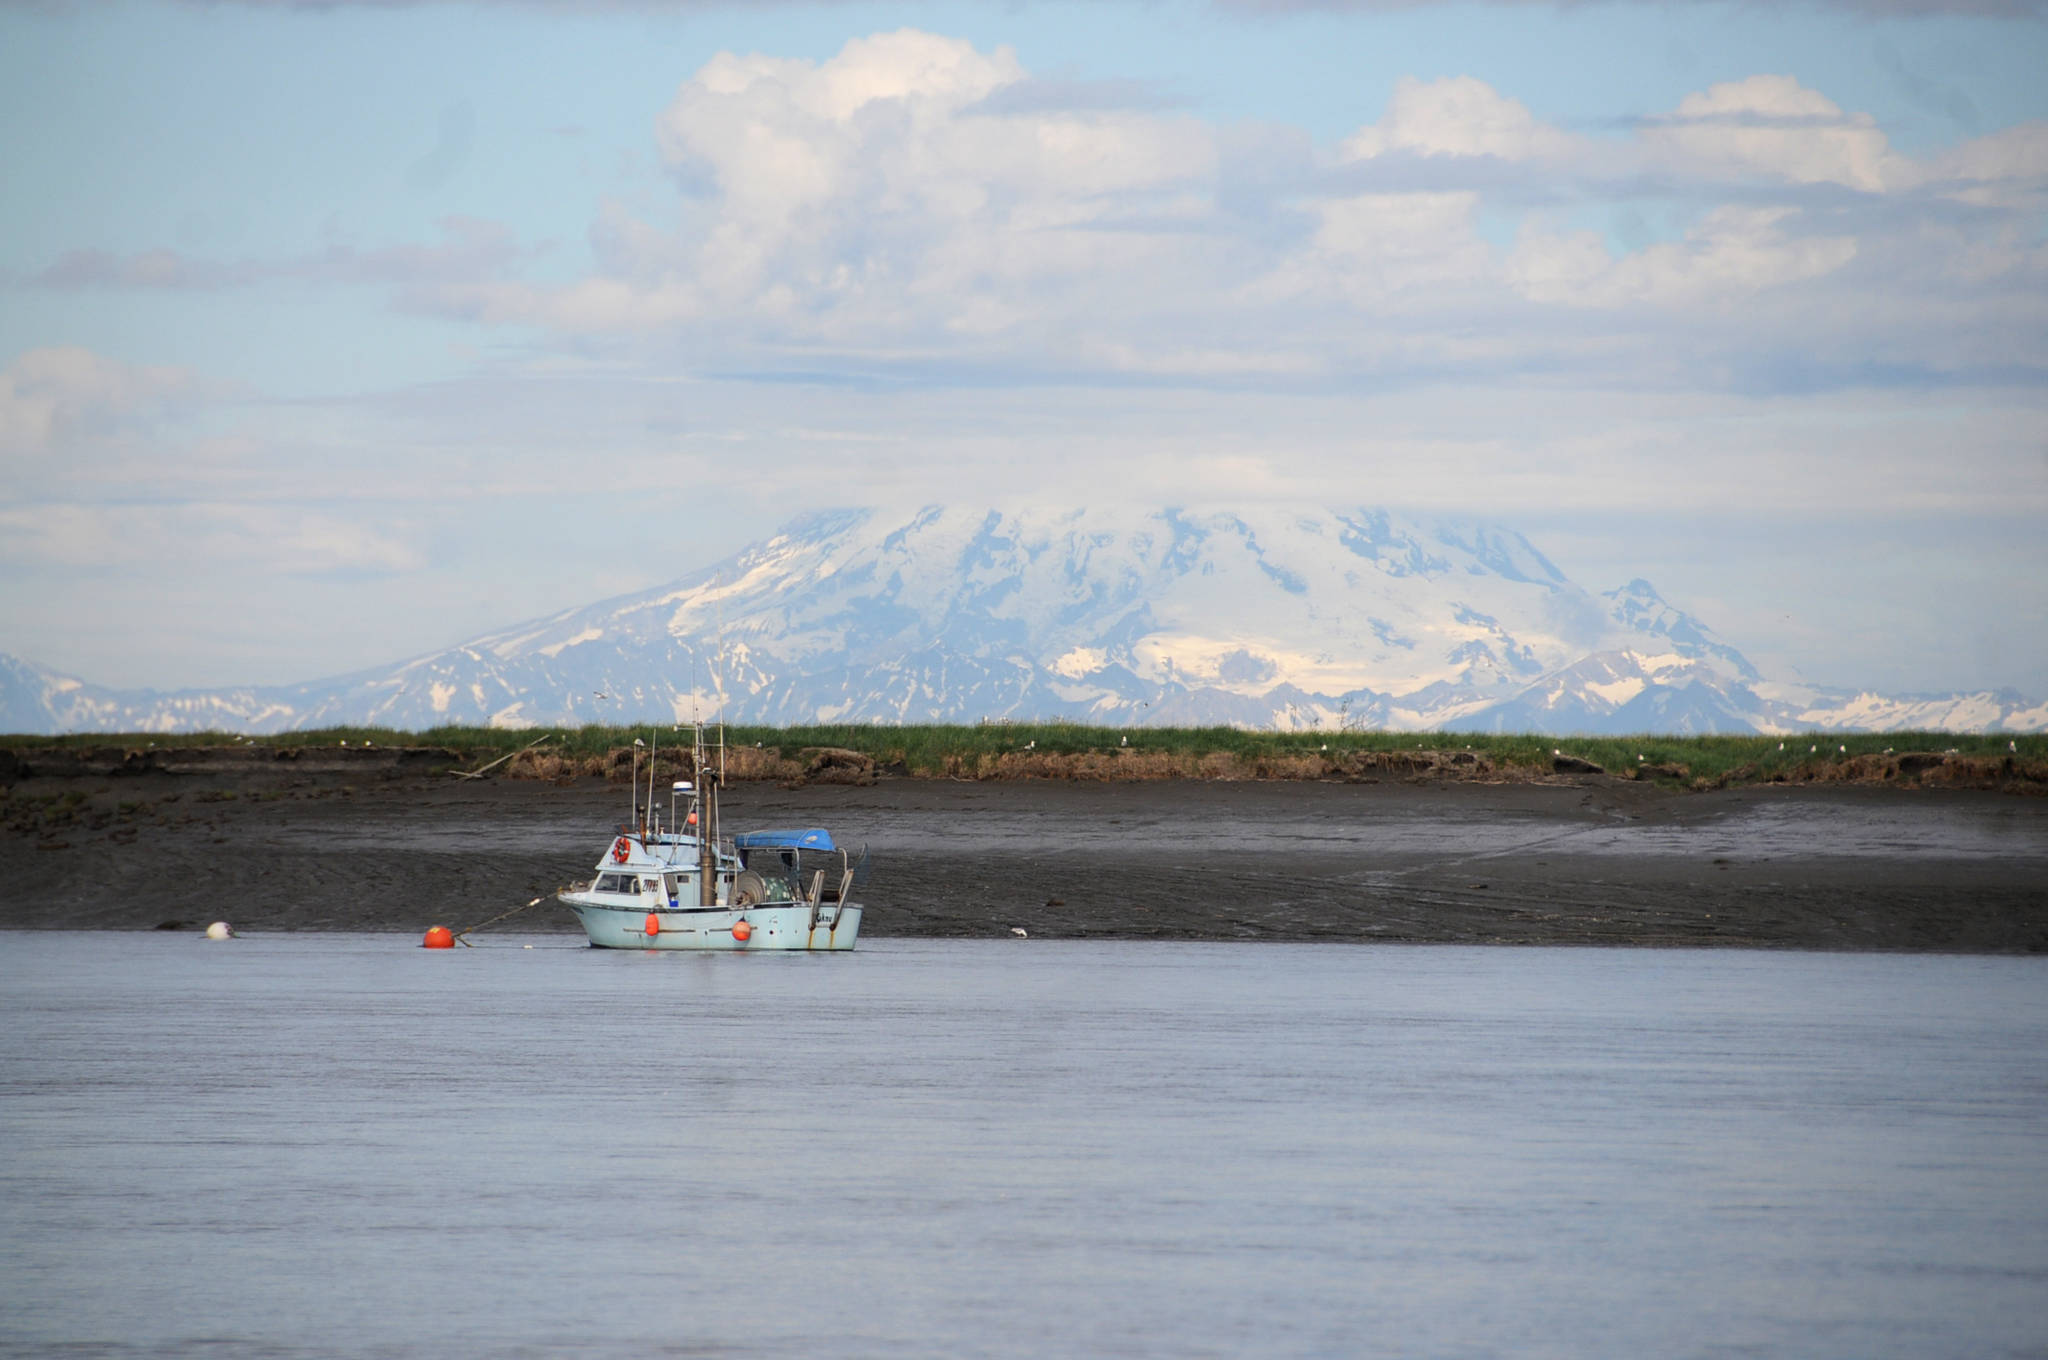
point(220, 930)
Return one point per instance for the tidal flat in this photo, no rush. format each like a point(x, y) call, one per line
point(272, 846)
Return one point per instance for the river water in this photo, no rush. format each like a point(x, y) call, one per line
point(312, 1145)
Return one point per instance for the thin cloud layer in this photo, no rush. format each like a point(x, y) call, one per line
point(1871, 8)
point(53, 396)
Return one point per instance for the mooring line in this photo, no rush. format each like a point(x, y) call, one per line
point(493, 921)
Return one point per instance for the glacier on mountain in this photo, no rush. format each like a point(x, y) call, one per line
point(1257, 617)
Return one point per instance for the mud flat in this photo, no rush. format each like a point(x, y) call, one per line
point(391, 842)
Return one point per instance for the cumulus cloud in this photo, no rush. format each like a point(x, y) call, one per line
point(1457, 116)
point(911, 190)
point(1773, 125)
point(889, 190)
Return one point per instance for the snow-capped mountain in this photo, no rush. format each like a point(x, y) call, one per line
point(1263, 618)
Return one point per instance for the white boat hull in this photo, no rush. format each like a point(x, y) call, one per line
point(777, 925)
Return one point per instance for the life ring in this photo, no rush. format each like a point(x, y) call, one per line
point(620, 849)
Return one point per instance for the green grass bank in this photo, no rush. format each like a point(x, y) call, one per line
point(1080, 751)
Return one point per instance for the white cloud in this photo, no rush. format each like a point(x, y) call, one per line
point(2014, 153)
point(919, 207)
point(47, 395)
point(1457, 116)
point(1371, 249)
point(266, 538)
point(1729, 255)
point(1772, 125)
point(881, 189)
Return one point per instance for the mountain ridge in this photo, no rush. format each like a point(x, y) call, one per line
point(1256, 617)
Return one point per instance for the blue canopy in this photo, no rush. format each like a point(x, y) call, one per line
point(817, 838)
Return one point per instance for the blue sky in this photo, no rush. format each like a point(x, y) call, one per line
point(333, 334)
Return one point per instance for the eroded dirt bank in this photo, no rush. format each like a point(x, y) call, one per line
point(388, 840)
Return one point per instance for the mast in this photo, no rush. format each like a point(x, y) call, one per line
point(653, 759)
point(707, 823)
point(636, 820)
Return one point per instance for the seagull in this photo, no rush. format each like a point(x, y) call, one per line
point(1843, 749)
point(1640, 757)
point(2013, 746)
point(1123, 741)
point(1031, 745)
point(1811, 749)
point(1326, 746)
point(1781, 746)
point(1019, 932)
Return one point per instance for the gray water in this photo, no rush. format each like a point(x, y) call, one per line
point(314, 1145)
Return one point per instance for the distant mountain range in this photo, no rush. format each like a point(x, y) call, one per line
point(1258, 618)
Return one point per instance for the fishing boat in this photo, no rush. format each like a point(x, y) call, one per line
point(680, 884)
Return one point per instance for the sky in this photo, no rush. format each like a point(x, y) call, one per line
point(337, 333)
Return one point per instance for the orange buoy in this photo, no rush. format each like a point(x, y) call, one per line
point(439, 937)
point(692, 819)
point(742, 932)
point(653, 926)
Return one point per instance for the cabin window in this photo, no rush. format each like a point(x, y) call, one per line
point(617, 883)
